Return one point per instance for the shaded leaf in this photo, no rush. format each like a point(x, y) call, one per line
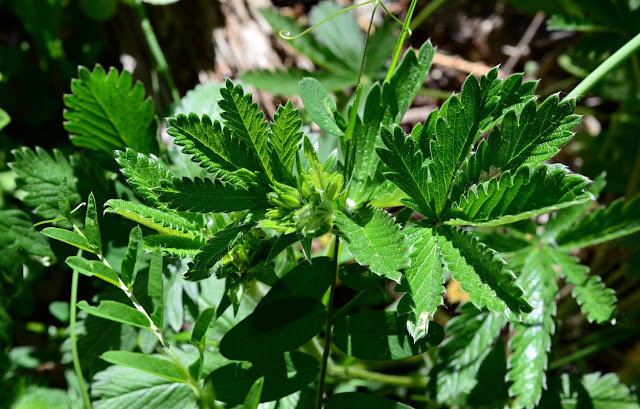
point(91, 225)
point(131, 260)
point(253, 397)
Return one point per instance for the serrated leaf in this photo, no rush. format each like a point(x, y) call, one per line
point(243, 118)
point(130, 262)
point(216, 247)
point(481, 273)
point(152, 364)
point(107, 112)
point(604, 224)
point(529, 192)
point(69, 237)
point(143, 173)
point(155, 288)
point(596, 300)
point(381, 336)
point(206, 196)
point(531, 344)
point(17, 234)
point(594, 390)
point(375, 241)
point(124, 388)
point(118, 312)
point(93, 268)
point(406, 169)
point(423, 281)
point(358, 400)
point(471, 334)
point(91, 225)
point(215, 148)
point(319, 105)
point(286, 134)
point(173, 245)
point(163, 221)
point(39, 174)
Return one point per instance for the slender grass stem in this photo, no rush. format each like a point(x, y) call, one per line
point(607, 66)
point(327, 338)
point(403, 35)
point(74, 341)
point(426, 12)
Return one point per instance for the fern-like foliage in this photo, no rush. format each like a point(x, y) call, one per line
point(39, 174)
point(107, 112)
point(143, 173)
point(594, 390)
point(286, 135)
point(530, 191)
point(604, 224)
point(376, 241)
point(532, 342)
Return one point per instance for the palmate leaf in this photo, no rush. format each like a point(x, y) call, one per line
point(592, 391)
point(206, 196)
point(243, 118)
point(214, 148)
point(406, 169)
point(163, 221)
point(481, 273)
point(286, 134)
point(529, 192)
point(604, 224)
point(39, 174)
point(375, 241)
point(423, 281)
point(143, 173)
point(596, 301)
point(531, 344)
point(471, 335)
point(105, 112)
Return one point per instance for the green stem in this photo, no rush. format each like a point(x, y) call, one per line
point(156, 51)
point(393, 380)
point(74, 342)
point(426, 12)
point(327, 338)
point(403, 35)
point(607, 66)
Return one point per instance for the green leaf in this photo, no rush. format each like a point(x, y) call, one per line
point(123, 388)
point(381, 336)
point(273, 328)
point(283, 375)
point(531, 345)
point(596, 300)
point(604, 224)
point(155, 288)
point(201, 100)
point(284, 81)
point(152, 364)
point(480, 272)
point(375, 241)
point(471, 335)
point(358, 277)
point(215, 148)
point(423, 281)
point(357, 400)
point(39, 175)
point(91, 225)
point(199, 331)
point(69, 237)
point(63, 199)
point(4, 118)
point(143, 173)
point(163, 221)
point(17, 235)
point(173, 245)
point(206, 196)
point(592, 391)
point(305, 280)
point(286, 134)
point(406, 169)
point(253, 397)
point(93, 268)
point(130, 262)
point(104, 112)
point(118, 312)
point(217, 246)
point(527, 193)
point(319, 105)
point(243, 118)
point(37, 397)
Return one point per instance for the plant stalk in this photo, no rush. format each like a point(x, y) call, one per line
point(403, 35)
point(327, 338)
point(74, 342)
point(393, 380)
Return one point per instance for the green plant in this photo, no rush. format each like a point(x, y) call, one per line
point(220, 296)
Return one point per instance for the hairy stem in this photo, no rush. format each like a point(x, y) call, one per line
point(156, 51)
point(74, 342)
point(607, 66)
point(327, 338)
point(403, 35)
